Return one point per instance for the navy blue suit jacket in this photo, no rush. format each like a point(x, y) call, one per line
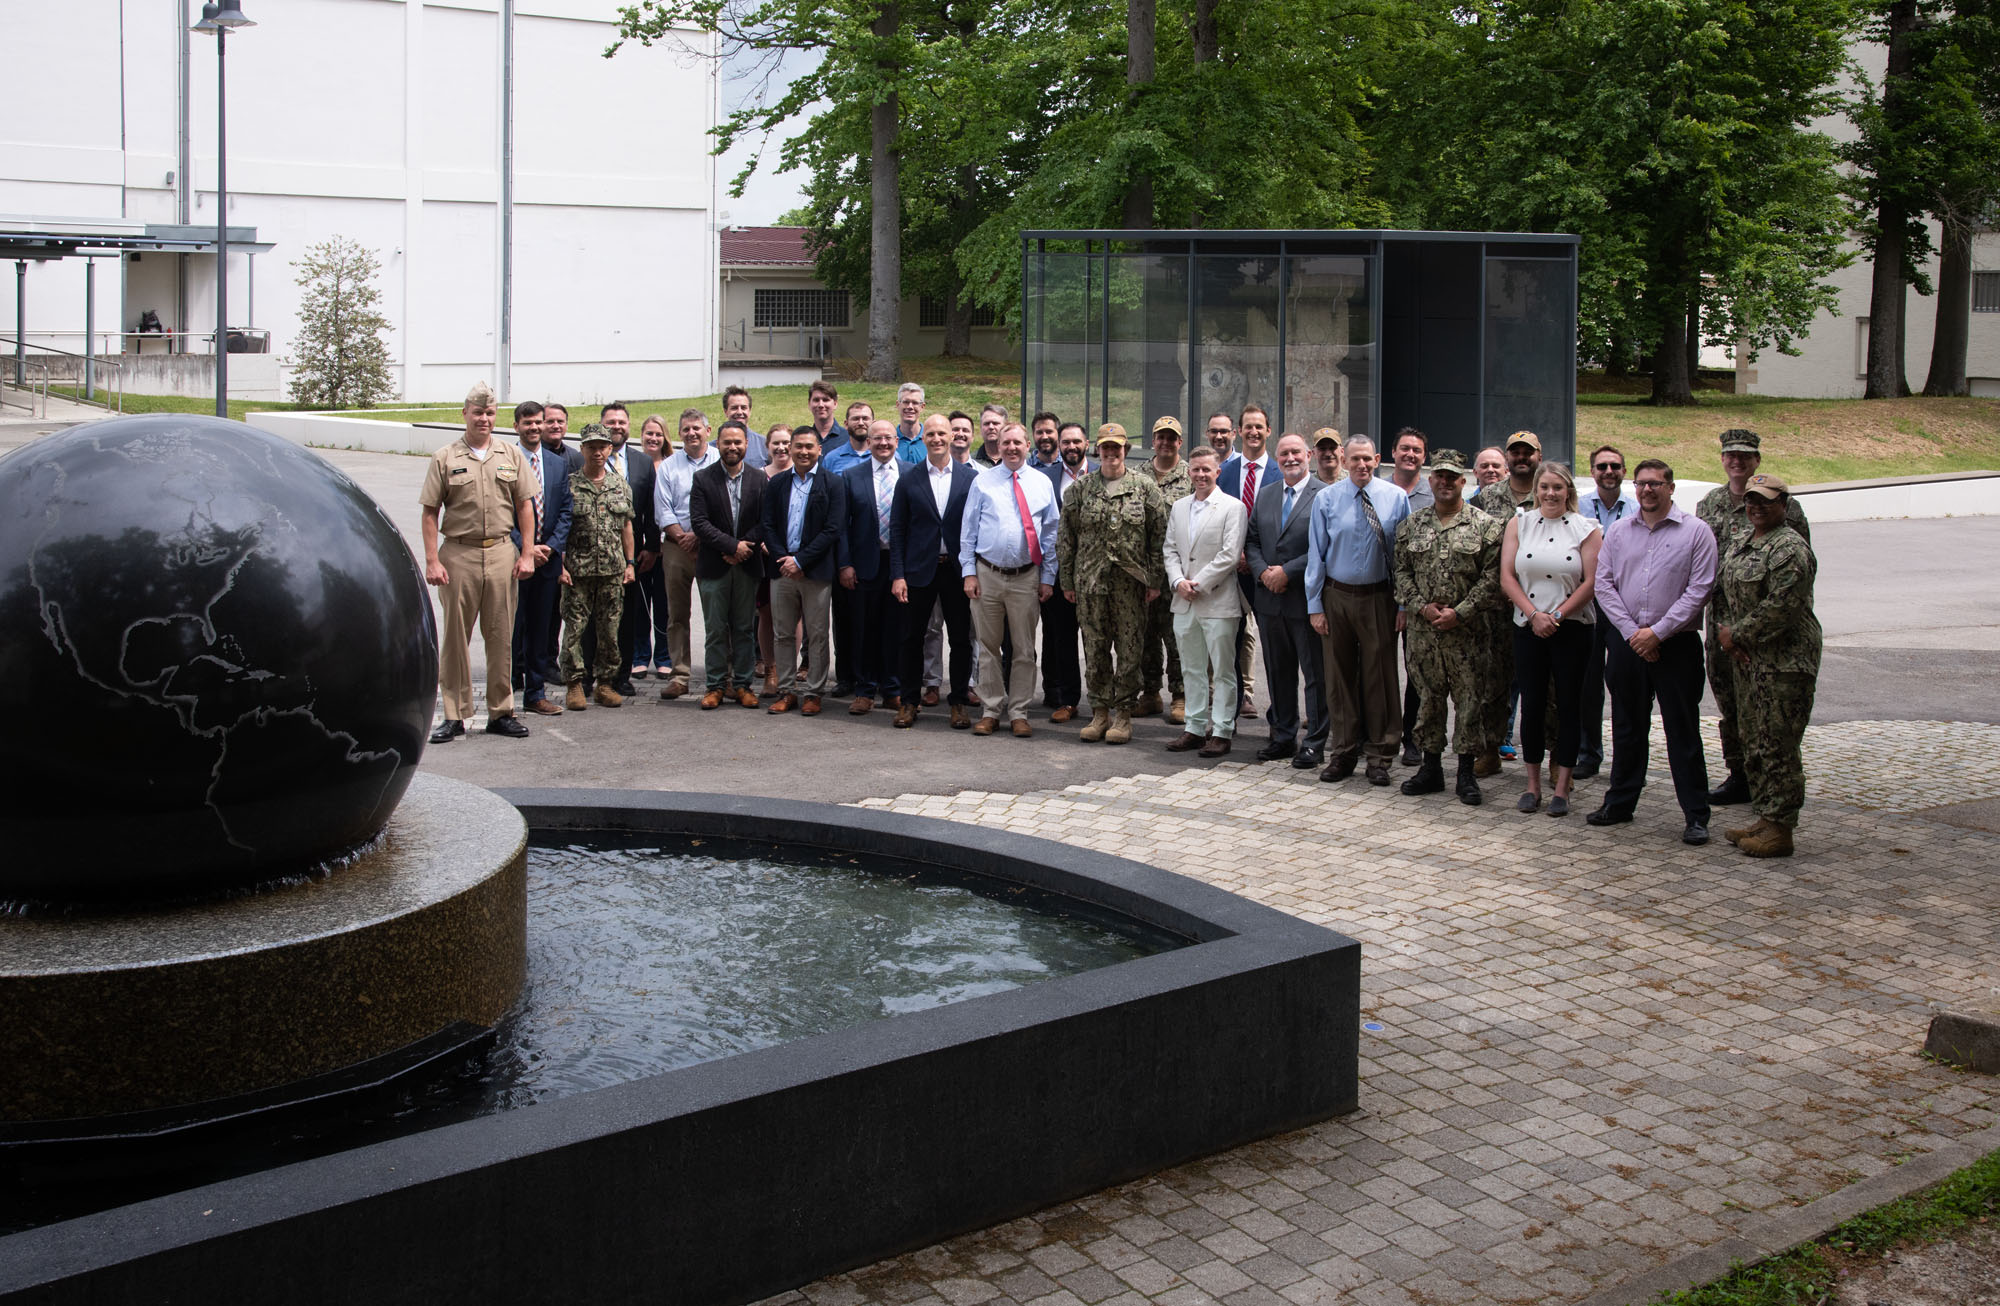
point(917, 535)
point(820, 532)
point(861, 543)
point(1230, 479)
point(555, 503)
point(639, 475)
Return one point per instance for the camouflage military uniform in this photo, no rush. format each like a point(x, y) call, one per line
point(1174, 486)
point(1767, 586)
point(1456, 564)
point(596, 565)
point(1110, 551)
point(1499, 502)
point(1731, 524)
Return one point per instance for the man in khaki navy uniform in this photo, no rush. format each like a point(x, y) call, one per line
point(476, 491)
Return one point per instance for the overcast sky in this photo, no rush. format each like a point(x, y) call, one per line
point(769, 192)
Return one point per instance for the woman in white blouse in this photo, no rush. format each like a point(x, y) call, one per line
point(1548, 569)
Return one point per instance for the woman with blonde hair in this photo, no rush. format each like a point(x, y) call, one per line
point(1548, 570)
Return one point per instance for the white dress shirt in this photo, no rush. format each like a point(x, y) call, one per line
point(941, 479)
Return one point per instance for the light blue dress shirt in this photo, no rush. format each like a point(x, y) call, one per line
point(795, 511)
point(1345, 545)
point(1591, 504)
point(672, 484)
point(992, 527)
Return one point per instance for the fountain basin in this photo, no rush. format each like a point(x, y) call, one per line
point(730, 1180)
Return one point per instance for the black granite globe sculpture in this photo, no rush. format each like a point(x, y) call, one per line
point(217, 661)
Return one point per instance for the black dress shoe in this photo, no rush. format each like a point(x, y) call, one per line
point(1411, 756)
point(1731, 791)
point(1605, 816)
point(847, 690)
point(1696, 834)
point(1585, 771)
point(624, 687)
point(1307, 759)
point(509, 726)
point(447, 731)
point(1277, 752)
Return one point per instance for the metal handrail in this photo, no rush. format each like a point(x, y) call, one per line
point(27, 390)
point(88, 393)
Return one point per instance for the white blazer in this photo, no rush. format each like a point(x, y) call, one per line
point(1208, 556)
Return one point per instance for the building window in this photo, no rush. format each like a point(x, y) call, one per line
point(931, 313)
point(1861, 348)
point(1986, 292)
point(801, 308)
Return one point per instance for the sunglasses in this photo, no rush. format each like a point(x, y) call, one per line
point(1610, 467)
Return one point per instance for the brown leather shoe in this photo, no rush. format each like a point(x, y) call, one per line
point(861, 706)
point(746, 697)
point(1062, 714)
point(811, 706)
point(608, 697)
point(785, 703)
point(930, 697)
point(1216, 746)
point(894, 702)
point(543, 707)
point(770, 682)
point(1185, 742)
point(985, 725)
point(673, 689)
point(972, 698)
point(1022, 730)
point(960, 718)
point(577, 700)
point(906, 716)
point(712, 699)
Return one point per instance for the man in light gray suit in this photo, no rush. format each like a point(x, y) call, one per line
point(1276, 546)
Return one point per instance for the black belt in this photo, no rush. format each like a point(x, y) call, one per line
point(1379, 587)
point(1004, 571)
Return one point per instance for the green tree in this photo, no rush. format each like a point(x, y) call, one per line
point(1673, 136)
point(339, 358)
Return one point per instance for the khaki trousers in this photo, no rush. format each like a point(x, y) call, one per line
point(1007, 605)
point(795, 601)
point(480, 588)
point(1363, 698)
point(678, 579)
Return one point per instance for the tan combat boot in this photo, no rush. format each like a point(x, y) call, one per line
point(1487, 763)
point(1149, 705)
point(1742, 832)
point(1177, 713)
point(1121, 729)
point(574, 700)
point(1100, 721)
point(1773, 840)
point(609, 697)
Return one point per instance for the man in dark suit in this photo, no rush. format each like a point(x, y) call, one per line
point(1062, 668)
point(1277, 544)
point(875, 620)
point(805, 512)
point(536, 611)
point(631, 462)
point(726, 513)
point(1243, 478)
point(926, 520)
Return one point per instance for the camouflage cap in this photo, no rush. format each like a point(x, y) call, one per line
point(1168, 424)
point(1767, 487)
point(1449, 461)
point(594, 433)
point(1112, 433)
point(1325, 436)
point(1528, 438)
point(1738, 440)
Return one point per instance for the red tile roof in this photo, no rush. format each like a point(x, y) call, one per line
point(765, 247)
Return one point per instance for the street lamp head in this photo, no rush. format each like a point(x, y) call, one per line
point(221, 17)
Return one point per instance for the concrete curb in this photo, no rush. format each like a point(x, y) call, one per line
point(1772, 1235)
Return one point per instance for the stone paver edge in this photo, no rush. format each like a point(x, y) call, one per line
point(1772, 1235)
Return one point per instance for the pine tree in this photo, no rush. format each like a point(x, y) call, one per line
point(339, 359)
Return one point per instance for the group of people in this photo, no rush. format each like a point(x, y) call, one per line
point(942, 558)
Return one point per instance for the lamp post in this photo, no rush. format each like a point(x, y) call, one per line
point(219, 19)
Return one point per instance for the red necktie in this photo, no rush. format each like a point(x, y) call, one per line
point(1027, 522)
point(1250, 487)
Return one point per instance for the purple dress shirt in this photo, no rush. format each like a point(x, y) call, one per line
point(1656, 576)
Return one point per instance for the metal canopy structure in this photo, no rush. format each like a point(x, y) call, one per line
point(43, 239)
point(1469, 335)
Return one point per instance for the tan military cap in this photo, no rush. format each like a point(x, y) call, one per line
point(1112, 433)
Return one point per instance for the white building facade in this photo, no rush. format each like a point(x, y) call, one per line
point(380, 121)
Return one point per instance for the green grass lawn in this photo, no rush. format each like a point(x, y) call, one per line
point(1808, 441)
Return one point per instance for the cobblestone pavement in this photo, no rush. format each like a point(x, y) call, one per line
point(1598, 1049)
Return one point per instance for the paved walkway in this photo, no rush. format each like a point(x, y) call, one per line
point(1596, 1050)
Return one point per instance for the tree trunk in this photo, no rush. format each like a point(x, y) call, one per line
point(1672, 380)
point(885, 280)
point(1207, 40)
point(1618, 356)
point(1138, 72)
point(1954, 311)
point(1885, 379)
point(957, 303)
point(1694, 330)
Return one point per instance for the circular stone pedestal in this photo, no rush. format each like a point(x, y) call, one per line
point(106, 1014)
